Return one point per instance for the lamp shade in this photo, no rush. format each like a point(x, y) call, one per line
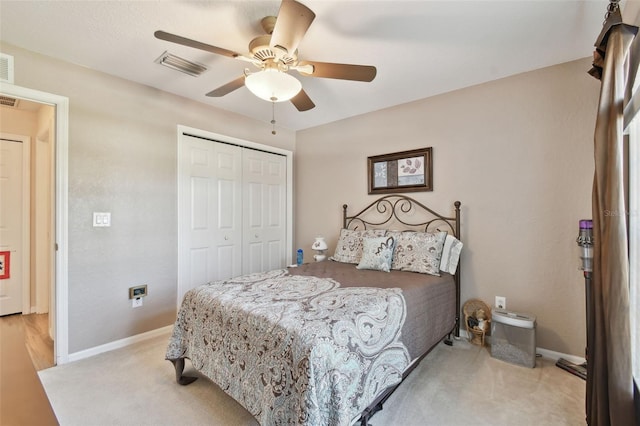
point(319, 244)
point(273, 85)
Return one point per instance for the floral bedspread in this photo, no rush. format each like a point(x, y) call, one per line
point(294, 349)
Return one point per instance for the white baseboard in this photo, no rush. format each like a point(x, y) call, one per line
point(76, 356)
point(546, 353)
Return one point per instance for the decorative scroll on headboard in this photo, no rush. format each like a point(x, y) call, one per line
point(400, 210)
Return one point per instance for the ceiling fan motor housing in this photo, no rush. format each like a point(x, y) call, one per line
point(261, 50)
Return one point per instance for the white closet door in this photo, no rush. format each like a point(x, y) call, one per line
point(264, 210)
point(211, 234)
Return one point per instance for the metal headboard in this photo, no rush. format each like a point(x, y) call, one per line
point(400, 209)
point(392, 209)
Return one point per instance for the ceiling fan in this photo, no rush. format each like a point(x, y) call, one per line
point(275, 54)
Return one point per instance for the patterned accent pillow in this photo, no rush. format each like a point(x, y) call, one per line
point(377, 254)
point(419, 252)
point(349, 248)
point(397, 236)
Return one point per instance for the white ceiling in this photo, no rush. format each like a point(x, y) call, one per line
point(420, 48)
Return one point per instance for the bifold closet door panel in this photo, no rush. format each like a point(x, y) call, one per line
point(211, 212)
point(264, 210)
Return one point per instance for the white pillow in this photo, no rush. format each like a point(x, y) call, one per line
point(450, 254)
point(377, 254)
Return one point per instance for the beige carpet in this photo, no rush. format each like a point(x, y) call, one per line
point(459, 385)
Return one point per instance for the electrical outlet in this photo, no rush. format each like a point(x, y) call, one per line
point(137, 302)
point(501, 302)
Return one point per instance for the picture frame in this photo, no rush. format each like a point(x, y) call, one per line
point(406, 171)
point(5, 265)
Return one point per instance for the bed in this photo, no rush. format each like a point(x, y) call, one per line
point(326, 343)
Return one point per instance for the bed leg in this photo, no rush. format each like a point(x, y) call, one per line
point(448, 340)
point(364, 420)
point(178, 364)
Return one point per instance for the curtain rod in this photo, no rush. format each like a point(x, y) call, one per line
point(611, 18)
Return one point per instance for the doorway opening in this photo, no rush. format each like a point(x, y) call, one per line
point(47, 224)
point(27, 225)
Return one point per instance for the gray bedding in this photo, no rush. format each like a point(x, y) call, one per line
point(431, 300)
point(315, 344)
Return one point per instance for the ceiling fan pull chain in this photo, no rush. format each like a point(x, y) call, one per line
point(273, 115)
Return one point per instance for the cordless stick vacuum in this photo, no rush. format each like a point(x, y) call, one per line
point(585, 241)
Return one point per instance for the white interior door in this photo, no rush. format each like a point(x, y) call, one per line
point(210, 200)
point(12, 156)
point(264, 209)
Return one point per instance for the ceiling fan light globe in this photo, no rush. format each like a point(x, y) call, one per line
point(273, 85)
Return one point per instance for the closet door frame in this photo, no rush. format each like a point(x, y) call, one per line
point(183, 197)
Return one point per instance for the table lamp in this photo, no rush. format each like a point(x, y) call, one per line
point(320, 246)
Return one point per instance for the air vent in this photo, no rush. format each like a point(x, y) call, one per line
point(180, 64)
point(6, 68)
point(9, 102)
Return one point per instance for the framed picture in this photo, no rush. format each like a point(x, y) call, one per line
point(5, 265)
point(407, 171)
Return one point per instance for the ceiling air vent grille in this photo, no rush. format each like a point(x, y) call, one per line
point(9, 102)
point(180, 64)
point(6, 68)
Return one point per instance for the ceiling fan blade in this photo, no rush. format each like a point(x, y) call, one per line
point(162, 35)
point(302, 101)
point(227, 88)
point(292, 24)
point(340, 71)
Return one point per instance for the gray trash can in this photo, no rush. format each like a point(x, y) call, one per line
point(513, 337)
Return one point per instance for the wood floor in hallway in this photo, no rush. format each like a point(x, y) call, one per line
point(23, 401)
point(37, 339)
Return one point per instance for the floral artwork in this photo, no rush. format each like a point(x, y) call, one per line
point(410, 171)
point(406, 171)
point(380, 174)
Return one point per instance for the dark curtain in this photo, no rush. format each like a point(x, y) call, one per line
point(609, 371)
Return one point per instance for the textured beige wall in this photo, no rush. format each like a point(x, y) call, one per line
point(517, 152)
point(122, 159)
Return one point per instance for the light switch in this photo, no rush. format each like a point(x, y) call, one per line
point(101, 219)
